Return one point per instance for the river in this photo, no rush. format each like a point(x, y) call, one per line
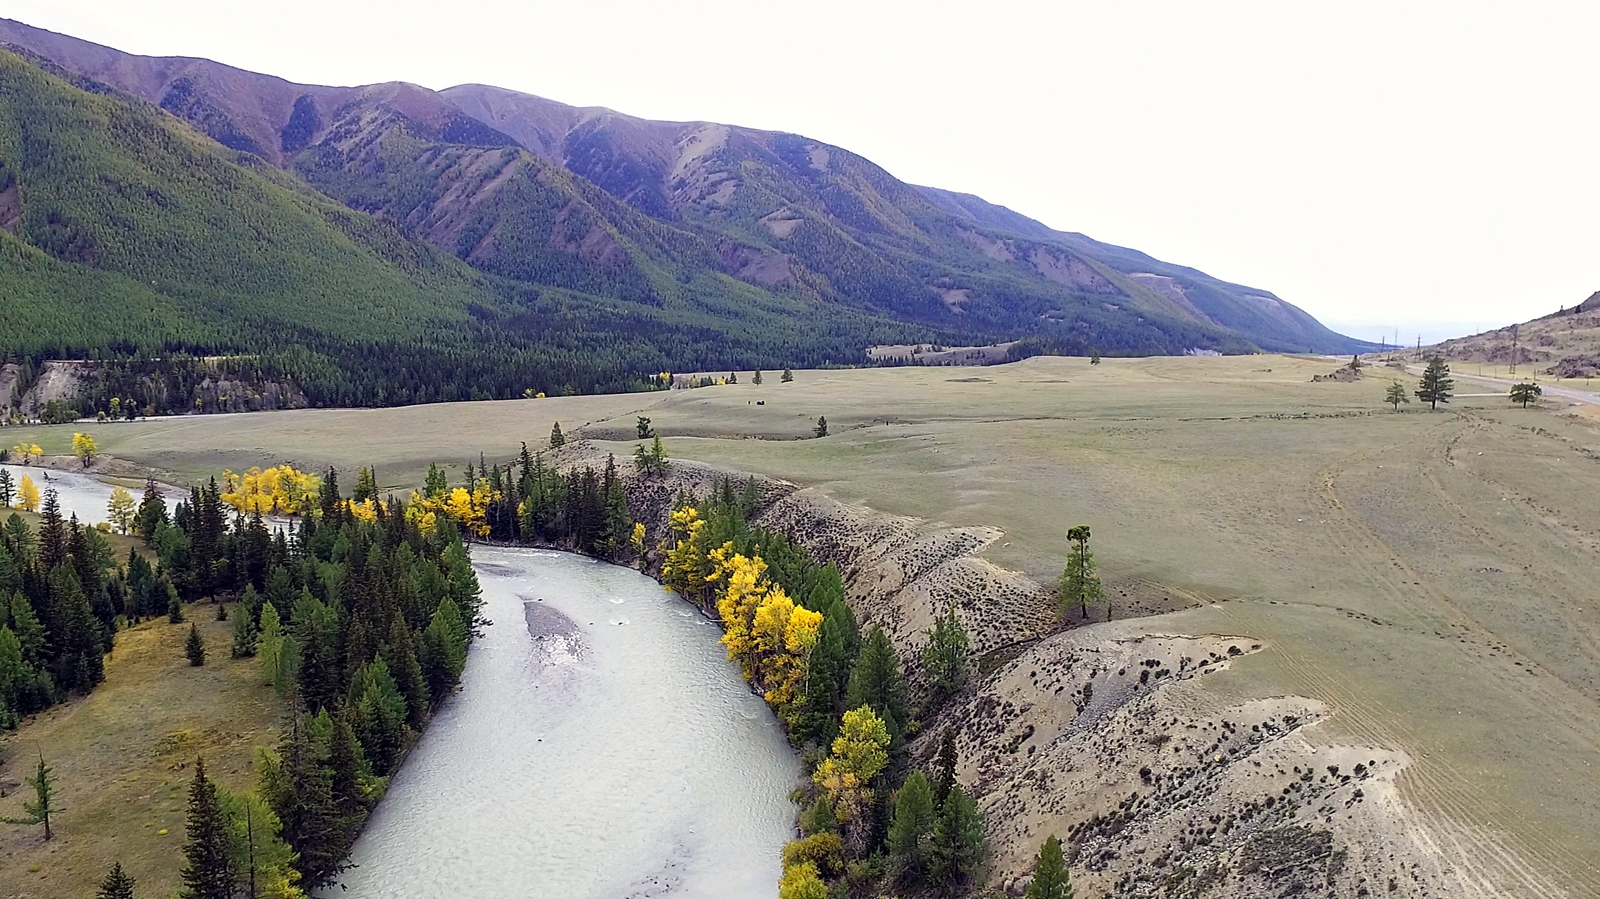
point(601, 747)
point(79, 494)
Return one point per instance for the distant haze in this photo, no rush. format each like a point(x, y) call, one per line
point(1424, 162)
point(1430, 332)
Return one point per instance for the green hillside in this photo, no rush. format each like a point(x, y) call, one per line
point(137, 237)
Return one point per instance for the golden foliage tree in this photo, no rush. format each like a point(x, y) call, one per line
point(84, 448)
point(281, 490)
point(28, 494)
point(468, 508)
point(688, 564)
point(121, 510)
point(859, 752)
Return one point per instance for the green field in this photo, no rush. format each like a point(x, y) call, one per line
point(1428, 575)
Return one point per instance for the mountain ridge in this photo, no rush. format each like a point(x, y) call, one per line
point(591, 199)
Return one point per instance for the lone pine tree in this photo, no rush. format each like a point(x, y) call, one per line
point(194, 647)
point(39, 810)
point(1050, 878)
point(1079, 584)
point(1396, 395)
point(1437, 386)
point(117, 885)
point(1525, 393)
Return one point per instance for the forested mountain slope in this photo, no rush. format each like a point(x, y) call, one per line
point(716, 219)
point(130, 236)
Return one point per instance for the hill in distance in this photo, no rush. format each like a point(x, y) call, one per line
point(1564, 344)
point(669, 245)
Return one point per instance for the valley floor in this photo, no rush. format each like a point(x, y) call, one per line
point(1423, 583)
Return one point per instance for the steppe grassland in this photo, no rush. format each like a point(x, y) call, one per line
point(1430, 575)
point(122, 759)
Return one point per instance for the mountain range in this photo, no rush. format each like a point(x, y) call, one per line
point(496, 217)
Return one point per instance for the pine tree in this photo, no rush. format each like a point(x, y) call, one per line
point(876, 682)
point(1436, 386)
point(195, 648)
point(643, 428)
point(1079, 584)
point(39, 810)
point(270, 643)
point(152, 512)
point(556, 437)
point(378, 714)
point(1525, 393)
point(246, 637)
point(1094, 357)
point(401, 654)
point(117, 885)
point(300, 790)
point(757, 379)
point(821, 430)
point(7, 489)
point(444, 650)
point(618, 519)
point(174, 604)
point(786, 377)
point(346, 759)
point(1395, 395)
point(955, 850)
point(945, 767)
point(207, 871)
point(1050, 877)
point(947, 656)
point(910, 828)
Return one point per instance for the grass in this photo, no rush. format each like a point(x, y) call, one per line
point(123, 760)
point(1429, 575)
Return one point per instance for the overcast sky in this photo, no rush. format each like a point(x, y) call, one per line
point(1390, 163)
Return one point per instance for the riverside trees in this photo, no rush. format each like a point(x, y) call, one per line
point(363, 625)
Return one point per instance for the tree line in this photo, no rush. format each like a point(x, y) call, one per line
point(360, 622)
point(868, 815)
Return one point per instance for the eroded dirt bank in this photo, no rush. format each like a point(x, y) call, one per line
point(1110, 733)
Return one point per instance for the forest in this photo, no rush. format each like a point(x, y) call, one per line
point(359, 615)
point(871, 816)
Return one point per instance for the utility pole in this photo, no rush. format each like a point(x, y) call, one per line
point(1513, 351)
point(1419, 347)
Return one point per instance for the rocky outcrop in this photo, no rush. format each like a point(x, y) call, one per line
point(1104, 734)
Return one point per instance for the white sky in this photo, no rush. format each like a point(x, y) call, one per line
point(1378, 162)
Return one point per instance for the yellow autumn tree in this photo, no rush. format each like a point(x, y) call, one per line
point(83, 447)
point(764, 630)
point(687, 565)
point(280, 490)
point(25, 451)
point(121, 509)
point(468, 508)
point(802, 881)
point(366, 510)
point(784, 634)
point(638, 538)
point(28, 494)
point(859, 752)
point(741, 587)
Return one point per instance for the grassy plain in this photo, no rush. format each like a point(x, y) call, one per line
point(1429, 575)
point(123, 757)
